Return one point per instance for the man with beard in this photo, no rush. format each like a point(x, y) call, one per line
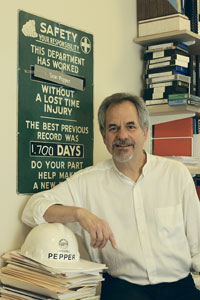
point(137, 213)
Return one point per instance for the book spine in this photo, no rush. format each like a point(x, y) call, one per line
point(167, 45)
point(194, 97)
point(168, 78)
point(183, 102)
point(155, 96)
point(197, 75)
point(160, 46)
point(163, 53)
point(168, 63)
point(168, 58)
point(178, 96)
point(177, 102)
point(197, 124)
point(164, 74)
point(156, 102)
point(185, 96)
point(173, 47)
point(193, 102)
point(175, 83)
point(180, 69)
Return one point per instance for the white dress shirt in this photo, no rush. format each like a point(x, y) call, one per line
point(155, 221)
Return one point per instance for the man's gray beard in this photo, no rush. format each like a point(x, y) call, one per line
point(121, 159)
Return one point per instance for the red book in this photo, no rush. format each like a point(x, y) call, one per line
point(173, 147)
point(177, 128)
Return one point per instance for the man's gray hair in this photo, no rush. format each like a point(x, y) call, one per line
point(143, 115)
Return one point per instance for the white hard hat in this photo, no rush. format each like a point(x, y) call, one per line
point(52, 244)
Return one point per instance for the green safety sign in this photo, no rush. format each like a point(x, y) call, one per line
point(55, 102)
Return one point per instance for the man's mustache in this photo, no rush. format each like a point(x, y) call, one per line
point(125, 142)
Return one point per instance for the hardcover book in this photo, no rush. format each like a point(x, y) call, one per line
point(168, 58)
point(173, 68)
point(177, 128)
point(170, 84)
point(170, 77)
point(164, 53)
point(174, 138)
point(173, 62)
point(173, 147)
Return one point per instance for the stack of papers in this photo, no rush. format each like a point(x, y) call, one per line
point(25, 279)
point(192, 163)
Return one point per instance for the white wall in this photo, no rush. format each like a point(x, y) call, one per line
point(117, 67)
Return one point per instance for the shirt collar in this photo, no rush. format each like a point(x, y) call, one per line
point(144, 170)
point(146, 167)
point(121, 175)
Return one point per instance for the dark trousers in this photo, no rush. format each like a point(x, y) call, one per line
point(118, 289)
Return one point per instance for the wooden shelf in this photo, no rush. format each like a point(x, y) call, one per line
point(177, 35)
point(194, 169)
point(165, 109)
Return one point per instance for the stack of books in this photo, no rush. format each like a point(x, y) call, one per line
point(167, 71)
point(24, 279)
point(174, 138)
point(184, 99)
point(180, 140)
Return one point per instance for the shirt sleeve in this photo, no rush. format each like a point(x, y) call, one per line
point(191, 207)
point(38, 203)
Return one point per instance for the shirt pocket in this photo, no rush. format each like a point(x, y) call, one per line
point(170, 224)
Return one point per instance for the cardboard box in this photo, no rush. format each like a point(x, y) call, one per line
point(163, 24)
point(148, 9)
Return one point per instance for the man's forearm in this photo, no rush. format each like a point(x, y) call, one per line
point(98, 229)
point(61, 214)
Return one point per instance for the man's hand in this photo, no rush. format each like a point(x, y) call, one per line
point(98, 229)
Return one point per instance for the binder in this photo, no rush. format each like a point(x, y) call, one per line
point(167, 45)
point(174, 68)
point(171, 77)
point(169, 83)
point(173, 147)
point(177, 128)
point(172, 62)
point(156, 102)
point(163, 53)
point(168, 58)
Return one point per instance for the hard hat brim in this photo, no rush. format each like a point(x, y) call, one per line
point(79, 266)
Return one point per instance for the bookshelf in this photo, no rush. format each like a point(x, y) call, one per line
point(165, 109)
point(164, 113)
point(194, 48)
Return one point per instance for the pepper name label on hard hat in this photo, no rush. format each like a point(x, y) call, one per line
point(61, 256)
